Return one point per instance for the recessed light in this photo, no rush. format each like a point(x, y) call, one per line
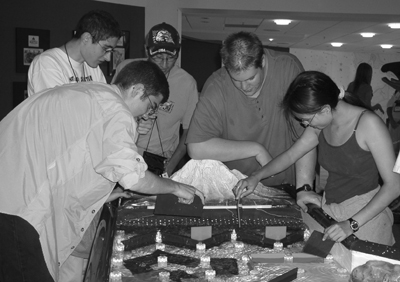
point(367, 34)
point(394, 25)
point(271, 39)
point(336, 44)
point(282, 22)
point(386, 46)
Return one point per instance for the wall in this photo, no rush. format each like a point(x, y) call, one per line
point(200, 59)
point(60, 17)
point(341, 67)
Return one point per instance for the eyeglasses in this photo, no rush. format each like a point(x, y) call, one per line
point(161, 58)
point(306, 123)
point(153, 108)
point(106, 49)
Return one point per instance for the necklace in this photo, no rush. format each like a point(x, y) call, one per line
point(83, 65)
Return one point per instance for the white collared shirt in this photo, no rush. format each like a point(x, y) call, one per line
point(61, 153)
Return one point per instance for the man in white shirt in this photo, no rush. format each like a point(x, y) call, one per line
point(78, 60)
point(62, 152)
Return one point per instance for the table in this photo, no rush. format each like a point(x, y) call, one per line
point(140, 221)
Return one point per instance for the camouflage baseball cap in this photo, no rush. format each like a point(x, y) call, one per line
point(163, 38)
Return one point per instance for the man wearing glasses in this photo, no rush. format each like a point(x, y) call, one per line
point(78, 60)
point(63, 150)
point(162, 137)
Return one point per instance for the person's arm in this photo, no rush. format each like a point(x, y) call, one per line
point(299, 152)
point(152, 184)
point(178, 154)
point(145, 124)
point(228, 150)
point(135, 177)
point(392, 121)
point(113, 155)
point(305, 174)
point(372, 135)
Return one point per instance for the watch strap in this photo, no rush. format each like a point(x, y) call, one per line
point(305, 187)
point(354, 225)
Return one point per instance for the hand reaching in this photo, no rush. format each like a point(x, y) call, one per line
point(119, 192)
point(338, 231)
point(145, 125)
point(245, 187)
point(186, 193)
point(304, 198)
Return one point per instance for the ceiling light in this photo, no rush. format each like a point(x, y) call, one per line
point(386, 46)
point(271, 39)
point(282, 22)
point(394, 25)
point(367, 34)
point(336, 44)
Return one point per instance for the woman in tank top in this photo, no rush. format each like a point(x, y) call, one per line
point(354, 146)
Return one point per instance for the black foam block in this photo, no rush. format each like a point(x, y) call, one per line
point(167, 204)
point(315, 245)
point(286, 277)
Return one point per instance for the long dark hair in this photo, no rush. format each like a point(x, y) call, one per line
point(363, 76)
point(310, 91)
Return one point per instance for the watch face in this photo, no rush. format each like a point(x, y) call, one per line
point(354, 225)
point(307, 187)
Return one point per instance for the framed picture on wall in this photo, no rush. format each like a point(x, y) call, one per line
point(29, 43)
point(20, 92)
point(121, 52)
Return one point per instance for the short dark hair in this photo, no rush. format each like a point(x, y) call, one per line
point(309, 92)
point(147, 73)
point(100, 24)
point(242, 50)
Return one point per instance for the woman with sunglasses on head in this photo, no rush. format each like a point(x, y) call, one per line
point(353, 145)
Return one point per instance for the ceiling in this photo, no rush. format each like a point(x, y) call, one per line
point(313, 31)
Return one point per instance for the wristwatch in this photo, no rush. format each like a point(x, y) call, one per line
point(305, 187)
point(354, 225)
